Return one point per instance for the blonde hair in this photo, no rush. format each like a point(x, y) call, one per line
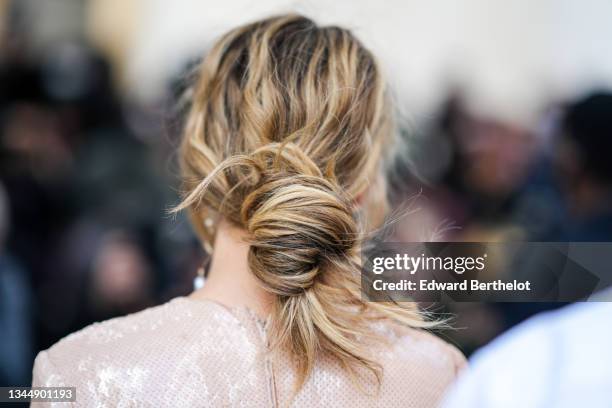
point(284, 137)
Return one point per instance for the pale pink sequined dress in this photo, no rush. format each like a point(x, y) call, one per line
point(192, 353)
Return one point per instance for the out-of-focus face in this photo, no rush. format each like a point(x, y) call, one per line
point(31, 133)
point(121, 273)
point(496, 156)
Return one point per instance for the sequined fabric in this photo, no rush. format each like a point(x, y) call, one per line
point(193, 353)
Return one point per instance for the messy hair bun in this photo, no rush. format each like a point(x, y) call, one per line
point(299, 221)
point(285, 134)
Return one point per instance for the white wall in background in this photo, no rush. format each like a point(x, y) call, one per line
point(512, 55)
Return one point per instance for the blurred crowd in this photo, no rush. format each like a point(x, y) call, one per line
point(86, 178)
point(87, 175)
point(469, 177)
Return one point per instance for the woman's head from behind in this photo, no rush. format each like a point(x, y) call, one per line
point(284, 138)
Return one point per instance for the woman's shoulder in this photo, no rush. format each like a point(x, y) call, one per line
point(177, 349)
point(428, 344)
point(417, 369)
point(417, 365)
point(118, 331)
point(418, 353)
point(138, 341)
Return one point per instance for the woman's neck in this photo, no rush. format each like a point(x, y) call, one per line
point(229, 280)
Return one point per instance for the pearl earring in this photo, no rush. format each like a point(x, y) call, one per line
point(209, 223)
point(198, 281)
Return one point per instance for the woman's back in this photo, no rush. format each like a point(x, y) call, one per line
point(191, 352)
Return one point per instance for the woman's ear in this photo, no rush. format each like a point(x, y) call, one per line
point(360, 199)
point(373, 202)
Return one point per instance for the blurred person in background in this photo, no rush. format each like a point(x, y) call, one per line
point(75, 171)
point(560, 359)
point(474, 177)
point(485, 165)
point(282, 156)
point(585, 168)
point(578, 180)
point(16, 340)
point(34, 160)
point(120, 281)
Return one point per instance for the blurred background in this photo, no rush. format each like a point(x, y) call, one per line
point(504, 106)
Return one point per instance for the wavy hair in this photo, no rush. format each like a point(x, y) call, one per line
point(285, 137)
